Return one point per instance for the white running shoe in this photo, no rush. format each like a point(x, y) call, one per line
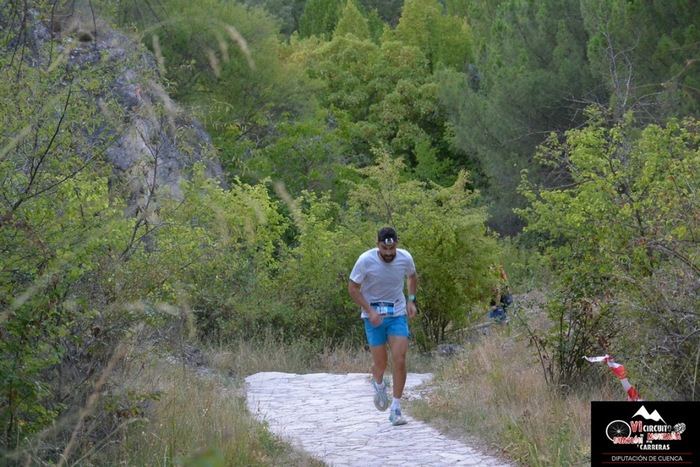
point(381, 399)
point(395, 417)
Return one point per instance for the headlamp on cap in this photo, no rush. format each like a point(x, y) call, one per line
point(387, 236)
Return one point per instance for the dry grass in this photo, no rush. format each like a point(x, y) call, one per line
point(197, 420)
point(203, 418)
point(495, 391)
point(246, 358)
point(200, 417)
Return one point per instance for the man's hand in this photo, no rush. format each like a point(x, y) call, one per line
point(374, 318)
point(412, 309)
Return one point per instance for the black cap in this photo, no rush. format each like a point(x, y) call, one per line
point(387, 236)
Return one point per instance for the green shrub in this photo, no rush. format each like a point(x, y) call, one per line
point(623, 245)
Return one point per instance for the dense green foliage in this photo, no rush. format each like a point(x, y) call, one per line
point(538, 65)
point(623, 242)
point(573, 120)
point(60, 234)
point(320, 18)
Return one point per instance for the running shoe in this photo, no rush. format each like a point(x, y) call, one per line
point(395, 417)
point(381, 399)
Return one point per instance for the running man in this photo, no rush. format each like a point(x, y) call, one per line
point(377, 285)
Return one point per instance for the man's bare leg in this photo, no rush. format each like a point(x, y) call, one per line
point(399, 348)
point(379, 359)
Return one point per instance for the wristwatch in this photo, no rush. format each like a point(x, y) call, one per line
point(412, 298)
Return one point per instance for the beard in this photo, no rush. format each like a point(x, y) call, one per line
point(388, 258)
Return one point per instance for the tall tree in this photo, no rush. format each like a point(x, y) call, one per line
point(647, 53)
point(443, 38)
point(383, 96)
point(531, 77)
point(352, 22)
point(287, 11)
point(388, 10)
point(320, 18)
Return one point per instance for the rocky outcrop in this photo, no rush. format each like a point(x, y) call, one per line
point(153, 143)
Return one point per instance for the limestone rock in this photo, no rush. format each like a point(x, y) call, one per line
point(154, 143)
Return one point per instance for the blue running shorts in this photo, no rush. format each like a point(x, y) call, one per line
point(390, 326)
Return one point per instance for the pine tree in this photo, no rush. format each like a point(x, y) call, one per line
point(352, 22)
point(319, 18)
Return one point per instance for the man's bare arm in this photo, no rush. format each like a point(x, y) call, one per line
point(412, 284)
point(357, 297)
point(411, 308)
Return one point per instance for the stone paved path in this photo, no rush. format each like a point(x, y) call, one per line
point(332, 417)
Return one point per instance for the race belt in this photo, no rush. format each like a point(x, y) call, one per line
point(383, 308)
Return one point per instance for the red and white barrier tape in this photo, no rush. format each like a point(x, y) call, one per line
point(619, 371)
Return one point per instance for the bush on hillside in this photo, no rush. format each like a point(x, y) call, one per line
point(622, 240)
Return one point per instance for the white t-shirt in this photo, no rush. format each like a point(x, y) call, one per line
point(381, 281)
